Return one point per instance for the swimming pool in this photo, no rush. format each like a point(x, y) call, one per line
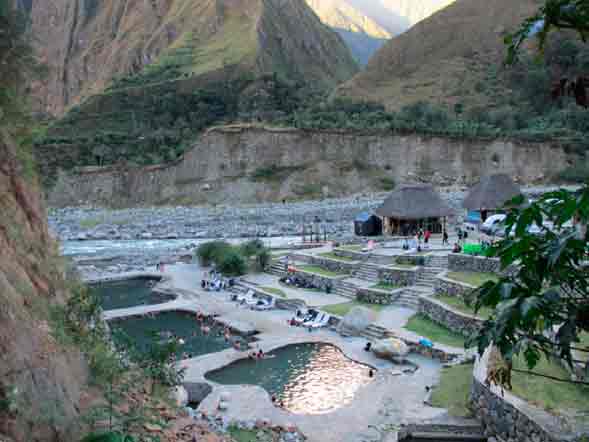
point(183, 325)
point(128, 293)
point(306, 378)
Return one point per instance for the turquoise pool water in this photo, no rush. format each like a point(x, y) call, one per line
point(128, 293)
point(183, 325)
point(306, 378)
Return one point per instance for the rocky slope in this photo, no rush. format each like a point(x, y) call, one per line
point(88, 44)
point(448, 57)
point(242, 164)
point(40, 382)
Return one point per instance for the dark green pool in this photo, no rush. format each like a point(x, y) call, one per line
point(306, 378)
point(181, 324)
point(128, 293)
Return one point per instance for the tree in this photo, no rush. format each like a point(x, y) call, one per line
point(541, 304)
point(553, 15)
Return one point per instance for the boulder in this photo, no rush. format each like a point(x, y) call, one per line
point(197, 391)
point(356, 321)
point(390, 348)
point(180, 396)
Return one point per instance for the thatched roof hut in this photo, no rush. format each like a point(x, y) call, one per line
point(492, 192)
point(414, 202)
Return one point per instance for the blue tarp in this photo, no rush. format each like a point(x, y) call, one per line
point(363, 217)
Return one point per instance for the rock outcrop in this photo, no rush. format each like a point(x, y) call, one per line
point(356, 321)
point(40, 381)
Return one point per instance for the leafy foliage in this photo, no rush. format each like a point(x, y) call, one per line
point(553, 15)
point(233, 260)
point(543, 305)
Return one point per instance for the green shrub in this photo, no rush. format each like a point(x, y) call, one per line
point(251, 248)
point(387, 184)
point(231, 263)
point(211, 252)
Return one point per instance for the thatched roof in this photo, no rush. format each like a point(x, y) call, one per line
point(492, 192)
point(414, 201)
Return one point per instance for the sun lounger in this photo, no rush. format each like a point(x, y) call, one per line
point(243, 298)
point(264, 304)
point(324, 322)
point(317, 320)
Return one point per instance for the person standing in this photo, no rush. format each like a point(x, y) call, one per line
point(426, 237)
point(445, 237)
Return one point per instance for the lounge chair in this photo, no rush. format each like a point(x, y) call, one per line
point(241, 298)
point(264, 304)
point(317, 320)
point(324, 322)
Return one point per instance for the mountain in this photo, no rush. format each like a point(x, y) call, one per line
point(88, 44)
point(450, 57)
point(365, 25)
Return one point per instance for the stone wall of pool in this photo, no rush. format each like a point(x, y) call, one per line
point(459, 262)
point(509, 418)
point(449, 318)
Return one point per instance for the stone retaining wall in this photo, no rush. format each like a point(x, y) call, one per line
point(509, 418)
point(322, 282)
point(458, 262)
point(413, 259)
point(377, 296)
point(446, 286)
point(449, 318)
point(398, 277)
point(332, 265)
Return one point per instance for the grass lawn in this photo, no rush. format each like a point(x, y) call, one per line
point(384, 286)
point(275, 291)
point(319, 271)
point(403, 266)
point(545, 393)
point(242, 435)
point(352, 247)
point(332, 255)
point(343, 309)
point(453, 391)
point(425, 327)
point(473, 278)
point(584, 337)
point(458, 304)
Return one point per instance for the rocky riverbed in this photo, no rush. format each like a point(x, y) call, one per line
point(264, 220)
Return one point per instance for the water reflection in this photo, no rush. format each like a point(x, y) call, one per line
point(306, 378)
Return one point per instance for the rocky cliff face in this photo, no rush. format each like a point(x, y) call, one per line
point(88, 43)
point(240, 164)
point(40, 382)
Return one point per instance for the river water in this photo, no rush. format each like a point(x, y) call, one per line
point(103, 248)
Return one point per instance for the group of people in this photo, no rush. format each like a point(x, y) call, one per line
point(420, 237)
point(213, 280)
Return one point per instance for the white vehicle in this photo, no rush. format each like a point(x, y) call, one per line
point(493, 224)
